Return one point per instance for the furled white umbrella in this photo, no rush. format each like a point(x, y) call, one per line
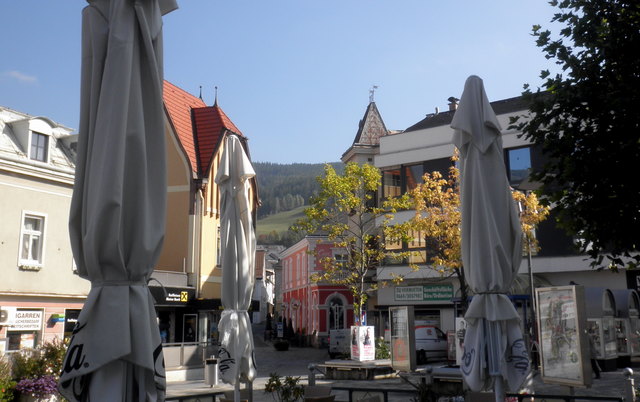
point(117, 215)
point(491, 248)
point(238, 264)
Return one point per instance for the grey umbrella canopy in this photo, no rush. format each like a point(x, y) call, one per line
point(491, 247)
point(117, 215)
point(238, 263)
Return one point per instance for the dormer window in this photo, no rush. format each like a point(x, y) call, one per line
point(39, 149)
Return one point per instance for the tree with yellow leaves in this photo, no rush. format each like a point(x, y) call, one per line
point(437, 219)
point(345, 211)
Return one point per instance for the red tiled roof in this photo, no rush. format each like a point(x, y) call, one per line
point(198, 126)
point(211, 122)
point(178, 104)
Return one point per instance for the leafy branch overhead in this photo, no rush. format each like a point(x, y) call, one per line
point(585, 118)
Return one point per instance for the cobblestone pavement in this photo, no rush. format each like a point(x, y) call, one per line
point(295, 362)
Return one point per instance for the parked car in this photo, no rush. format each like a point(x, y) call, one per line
point(431, 343)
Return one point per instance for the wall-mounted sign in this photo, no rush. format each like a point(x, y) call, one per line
point(169, 296)
point(27, 320)
point(432, 293)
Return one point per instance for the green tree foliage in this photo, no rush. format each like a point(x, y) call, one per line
point(344, 210)
point(586, 119)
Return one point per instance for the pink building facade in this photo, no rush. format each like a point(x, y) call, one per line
point(313, 308)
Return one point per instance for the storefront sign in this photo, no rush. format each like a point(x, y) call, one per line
point(27, 320)
point(439, 293)
point(169, 296)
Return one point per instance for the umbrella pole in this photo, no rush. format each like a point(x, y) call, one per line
point(492, 334)
point(498, 388)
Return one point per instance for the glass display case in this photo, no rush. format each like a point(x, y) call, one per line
point(627, 322)
point(604, 336)
point(623, 346)
point(601, 323)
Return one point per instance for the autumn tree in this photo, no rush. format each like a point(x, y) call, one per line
point(438, 218)
point(586, 120)
point(345, 211)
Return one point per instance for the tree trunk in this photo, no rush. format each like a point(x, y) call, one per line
point(464, 290)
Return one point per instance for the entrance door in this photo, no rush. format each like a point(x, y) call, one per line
point(336, 314)
point(189, 327)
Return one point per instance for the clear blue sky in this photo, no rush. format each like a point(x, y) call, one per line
point(293, 75)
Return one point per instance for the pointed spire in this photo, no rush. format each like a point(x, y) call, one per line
point(215, 103)
point(200, 96)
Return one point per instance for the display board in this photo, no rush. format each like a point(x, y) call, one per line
point(403, 338)
point(564, 346)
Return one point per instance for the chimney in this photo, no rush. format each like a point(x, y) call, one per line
point(453, 103)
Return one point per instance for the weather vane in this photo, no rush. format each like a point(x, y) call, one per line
point(372, 92)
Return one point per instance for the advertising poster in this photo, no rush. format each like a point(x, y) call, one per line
point(363, 346)
point(563, 342)
point(461, 329)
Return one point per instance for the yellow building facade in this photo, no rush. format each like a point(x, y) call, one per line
point(188, 269)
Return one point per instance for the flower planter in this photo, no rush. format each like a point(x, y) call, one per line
point(29, 398)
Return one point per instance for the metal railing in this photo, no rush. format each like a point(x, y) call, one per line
point(187, 354)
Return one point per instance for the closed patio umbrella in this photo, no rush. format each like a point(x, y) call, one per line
point(117, 215)
point(238, 264)
point(491, 248)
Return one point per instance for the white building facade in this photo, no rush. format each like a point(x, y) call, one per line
point(40, 295)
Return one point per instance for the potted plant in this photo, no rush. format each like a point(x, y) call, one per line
point(36, 371)
point(44, 388)
point(288, 389)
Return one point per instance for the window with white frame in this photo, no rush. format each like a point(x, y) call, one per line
point(39, 150)
point(342, 260)
point(32, 239)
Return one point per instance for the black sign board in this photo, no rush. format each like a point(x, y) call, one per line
point(171, 296)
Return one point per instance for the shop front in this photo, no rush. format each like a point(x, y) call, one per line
point(177, 320)
point(28, 324)
point(432, 304)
